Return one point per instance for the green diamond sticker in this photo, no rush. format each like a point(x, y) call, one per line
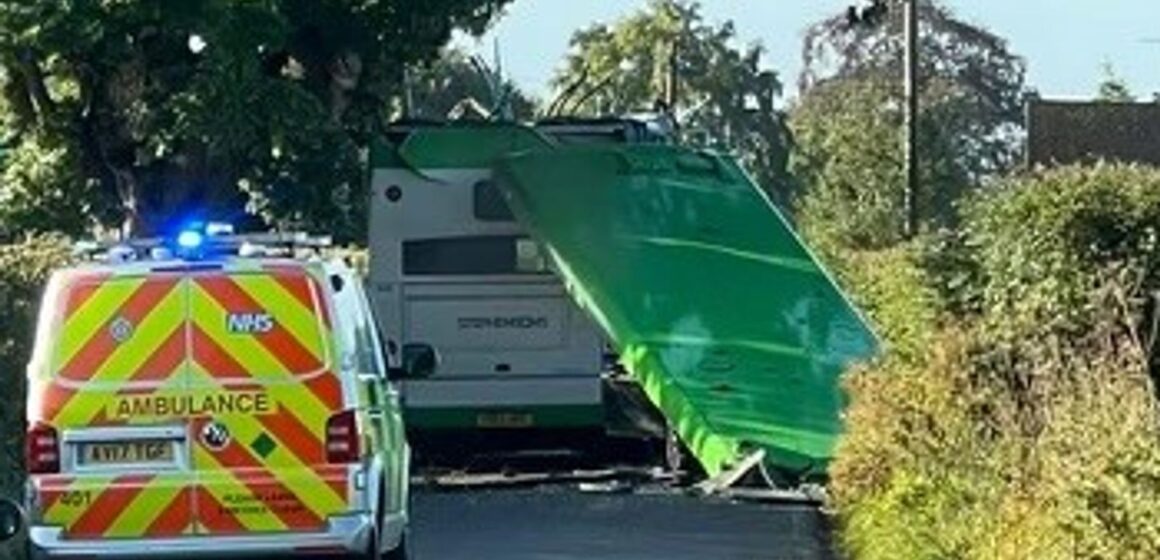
point(264, 445)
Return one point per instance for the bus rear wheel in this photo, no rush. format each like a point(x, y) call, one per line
point(680, 461)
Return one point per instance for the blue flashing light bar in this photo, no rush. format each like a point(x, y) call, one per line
point(190, 239)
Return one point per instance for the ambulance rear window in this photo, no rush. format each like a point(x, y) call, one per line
point(120, 329)
point(265, 326)
point(158, 328)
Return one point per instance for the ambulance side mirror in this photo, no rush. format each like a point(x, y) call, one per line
point(419, 361)
point(11, 520)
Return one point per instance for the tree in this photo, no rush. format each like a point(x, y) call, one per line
point(667, 55)
point(455, 81)
point(150, 108)
point(847, 156)
point(850, 105)
point(1113, 88)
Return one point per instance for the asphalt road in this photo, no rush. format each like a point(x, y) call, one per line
point(562, 523)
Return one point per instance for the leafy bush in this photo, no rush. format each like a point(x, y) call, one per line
point(846, 154)
point(1045, 241)
point(1047, 449)
point(1026, 425)
point(894, 291)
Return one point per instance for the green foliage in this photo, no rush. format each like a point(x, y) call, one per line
point(952, 271)
point(1044, 449)
point(847, 124)
point(896, 494)
point(44, 190)
point(723, 95)
point(448, 86)
point(968, 78)
point(848, 157)
point(1044, 241)
point(1113, 88)
point(895, 292)
point(1030, 428)
point(228, 106)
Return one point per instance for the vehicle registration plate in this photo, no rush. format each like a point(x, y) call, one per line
point(127, 452)
point(504, 420)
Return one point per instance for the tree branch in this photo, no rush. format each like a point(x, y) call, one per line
point(33, 77)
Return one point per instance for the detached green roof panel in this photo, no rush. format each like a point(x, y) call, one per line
point(456, 146)
point(734, 329)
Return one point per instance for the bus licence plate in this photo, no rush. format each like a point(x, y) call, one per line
point(504, 420)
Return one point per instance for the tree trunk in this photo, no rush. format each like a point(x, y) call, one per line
point(33, 77)
point(345, 72)
point(133, 224)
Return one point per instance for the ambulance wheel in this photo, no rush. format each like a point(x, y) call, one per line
point(375, 546)
point(33, 553)
point(401, 552)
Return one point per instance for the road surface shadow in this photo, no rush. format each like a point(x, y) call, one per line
point(561, 523)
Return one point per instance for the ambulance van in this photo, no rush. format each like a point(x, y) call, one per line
point(214, 396)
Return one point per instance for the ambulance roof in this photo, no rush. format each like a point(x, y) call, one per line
point(228, 264)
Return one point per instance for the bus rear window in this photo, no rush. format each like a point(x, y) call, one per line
point(489, 204)
point(466, 256)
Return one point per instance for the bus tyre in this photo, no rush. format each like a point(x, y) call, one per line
point(680, 460)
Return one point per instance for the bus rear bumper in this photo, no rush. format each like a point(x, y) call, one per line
point(538, 402)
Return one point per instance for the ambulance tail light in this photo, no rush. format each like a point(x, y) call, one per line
point(342, 438)
point(42, 450)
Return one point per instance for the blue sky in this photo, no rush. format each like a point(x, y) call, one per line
point(1065, 42)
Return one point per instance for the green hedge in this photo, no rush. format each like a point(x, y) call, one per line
point(891, 287)
point(1022, 423)
point(1036, 451)
point(1045, 242)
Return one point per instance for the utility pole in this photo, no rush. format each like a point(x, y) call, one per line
point(874, 15)
point(408, 94)
point(672, 71)
point(673, 65)
point(671, 77)
point(911, 148)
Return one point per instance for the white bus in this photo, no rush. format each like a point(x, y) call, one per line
point(451, 268)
